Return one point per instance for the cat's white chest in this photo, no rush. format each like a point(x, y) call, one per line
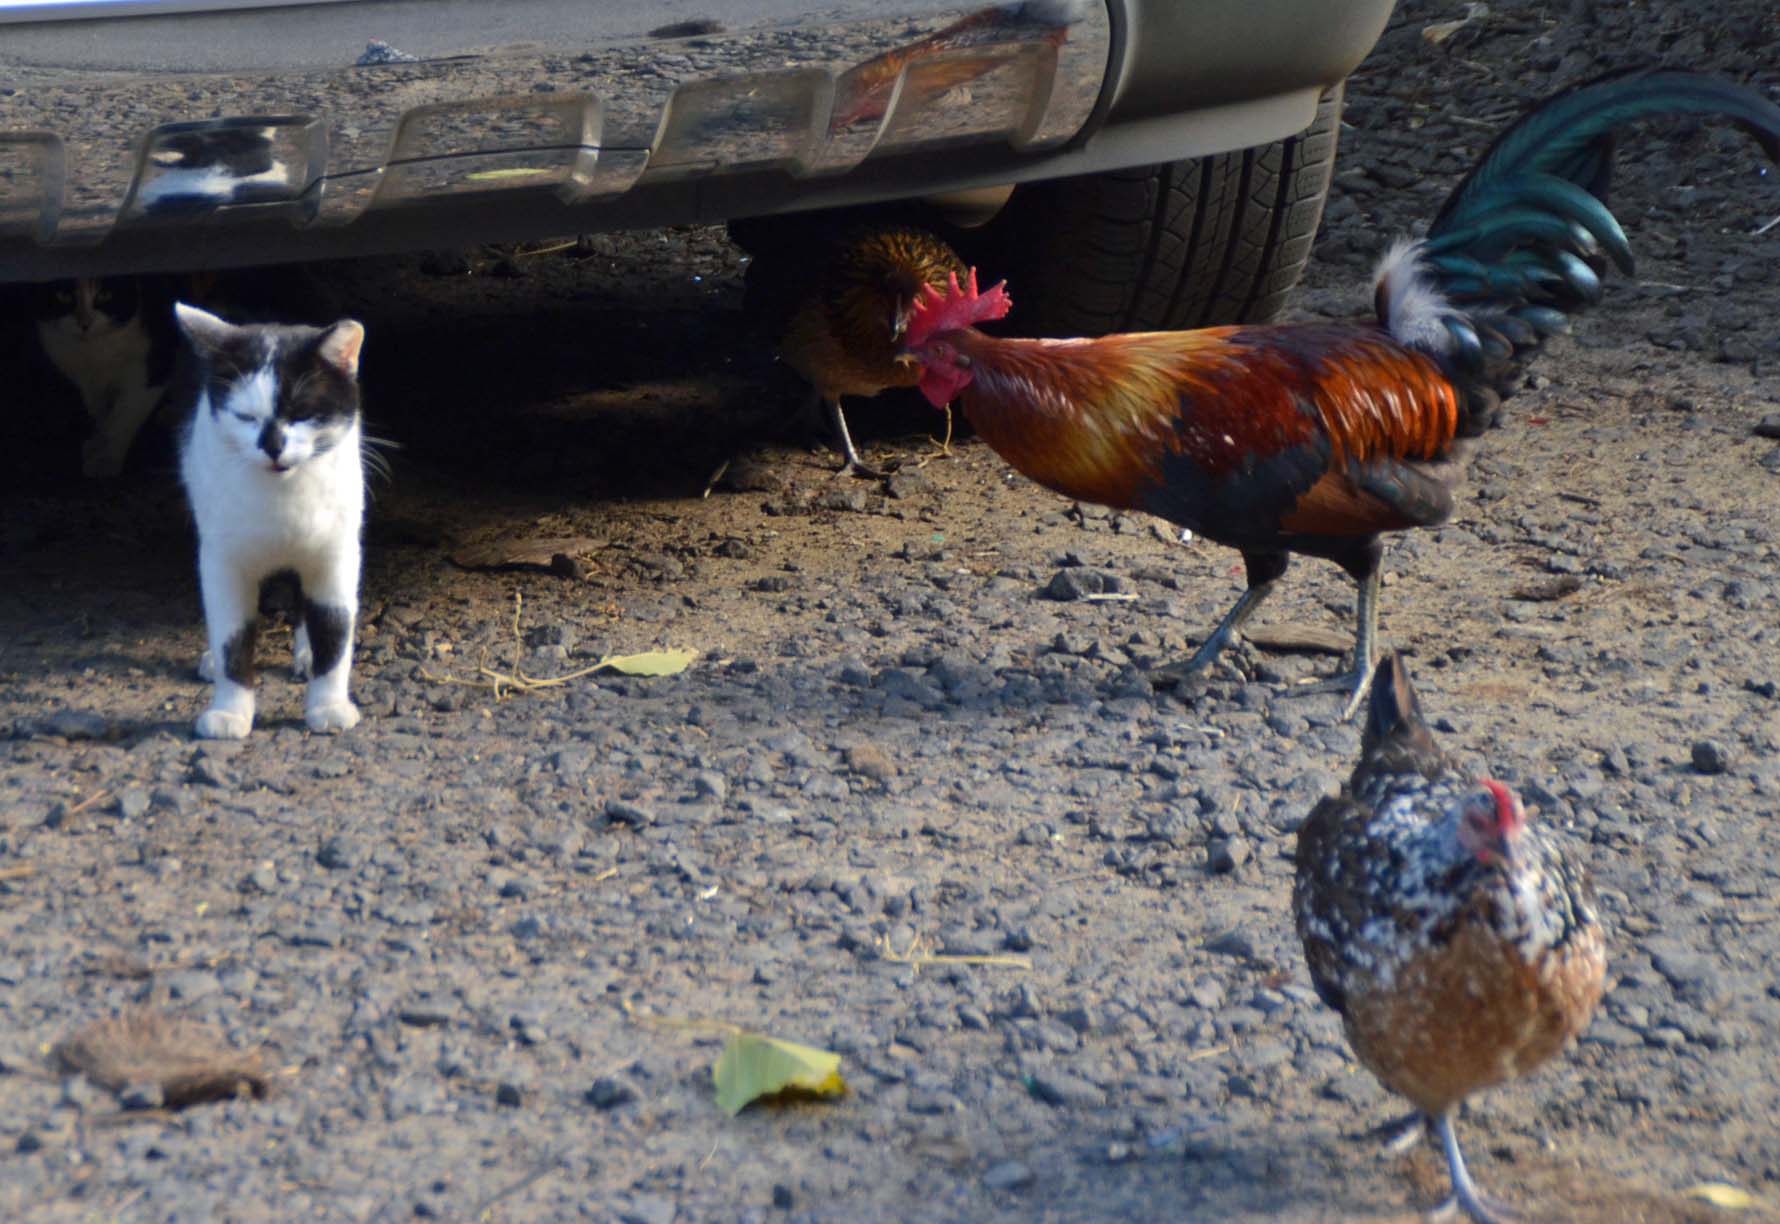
point(99, 362)
point(268, 520)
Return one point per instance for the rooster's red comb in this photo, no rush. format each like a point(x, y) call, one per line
point(955, 309)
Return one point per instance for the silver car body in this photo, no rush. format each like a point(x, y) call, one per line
point(143, 135)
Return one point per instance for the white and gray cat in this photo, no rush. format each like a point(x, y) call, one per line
point(113, 339)
point(271, 462)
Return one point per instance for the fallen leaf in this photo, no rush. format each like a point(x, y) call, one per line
point(1285, 636)
point(1547, 590)
point(753, 1067)
point(1719, 1194)
point(190, 1062)
point(651, 662)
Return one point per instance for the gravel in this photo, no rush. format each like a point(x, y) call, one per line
point(915, 802)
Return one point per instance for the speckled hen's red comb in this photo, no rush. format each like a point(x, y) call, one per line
point(1508, 816)
point(957, 308)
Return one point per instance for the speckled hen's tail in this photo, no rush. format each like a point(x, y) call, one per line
point(1397, 737)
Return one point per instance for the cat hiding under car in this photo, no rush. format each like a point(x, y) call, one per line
point(271, 460)
point(113, 339)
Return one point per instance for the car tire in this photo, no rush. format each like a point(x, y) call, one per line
point(1211, 240)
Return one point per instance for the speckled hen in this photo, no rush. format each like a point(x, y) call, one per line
point(1460, 945)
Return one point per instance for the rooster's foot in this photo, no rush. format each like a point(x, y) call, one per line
point(1356, 683)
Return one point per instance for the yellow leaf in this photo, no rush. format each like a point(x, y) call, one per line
point(752, 1066)
point(1721, 1195)
point(651, 662)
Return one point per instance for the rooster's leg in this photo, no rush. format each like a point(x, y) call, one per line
point(1264, 569)
point(1466, 1197)
point(1358, 679)
point(859, 467)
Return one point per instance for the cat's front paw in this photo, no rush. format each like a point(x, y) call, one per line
point(207, 667)
point(341, 716)
point(224, 724)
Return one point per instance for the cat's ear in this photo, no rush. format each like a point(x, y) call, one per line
point(339, 346)
point(206, 332)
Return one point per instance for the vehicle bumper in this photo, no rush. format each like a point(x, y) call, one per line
point(255, 135)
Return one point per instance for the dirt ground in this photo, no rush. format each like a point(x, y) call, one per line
point(486, 943)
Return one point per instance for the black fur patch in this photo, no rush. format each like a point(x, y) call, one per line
point(238, 655)
point(330, 634)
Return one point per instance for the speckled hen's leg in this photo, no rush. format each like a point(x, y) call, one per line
point(1466, 1197)
point(1399, 1134)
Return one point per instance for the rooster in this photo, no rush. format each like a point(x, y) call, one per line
point(841, 338)
point(1315, 438)
point(1460, 946)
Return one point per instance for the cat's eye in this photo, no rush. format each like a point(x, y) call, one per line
point(246, 418)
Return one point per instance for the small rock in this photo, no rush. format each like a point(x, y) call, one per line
point(1226, 854)
point(424, 1015)
point(72, 724)
point(145, 1095)
point(571, 762)
point(532, 926)
point(648, 1209)
point(1232, 943)
point(1009, 1175)
point(1711, 757)
point(212, 772)
point(508, 1094)
point(133, 804)
point(869, 761)
point(1771, 460)
point(609, 1093)
point(1062, 1089)
point(620, 812)
point(848, 499)
point(783, 1199)
point(339, 854)
point(1070, 584)
point(319, 933)
point(908, 483)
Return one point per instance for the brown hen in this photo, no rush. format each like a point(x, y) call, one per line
point(842, 337)
point(1461, 947)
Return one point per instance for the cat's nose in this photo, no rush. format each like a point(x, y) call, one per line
point(272, 440)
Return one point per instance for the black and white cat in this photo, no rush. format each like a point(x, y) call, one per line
point(271, 462)
point(114, 340)
point(207, 166)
